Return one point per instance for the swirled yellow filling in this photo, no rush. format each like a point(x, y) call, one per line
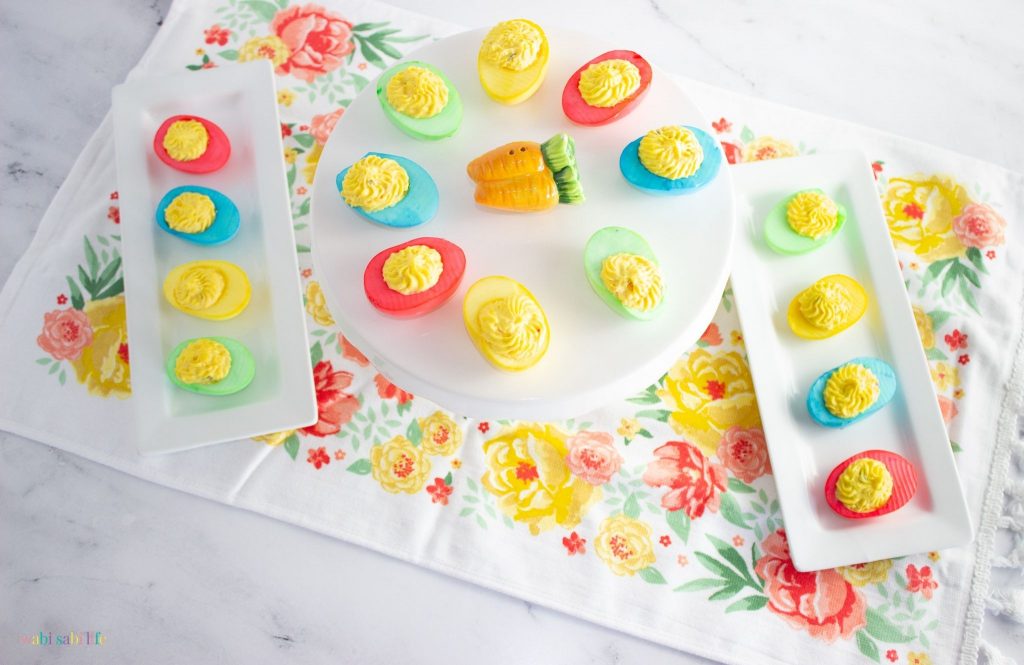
point(812, 214)
point(190, 212)
point(671, 152)
point(850, 391)
point(374, 183)
point(199, 288)
point(608, 82)
point(512, 327)
point(186, 140)
point(204, 361)
point(413, 269)
point(512, 45)
point(864, 486)
point(417, 92)
point(635, 280)
point(825, 305)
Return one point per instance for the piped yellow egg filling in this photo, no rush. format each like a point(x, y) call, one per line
point(864, 486)
point(825, 305)
point(850, 391)
point(812, 214)
point(186, 140)
point(608, 82)
point(204, 361)
point(375, 183)
point(635, 280)
point(199, 288)
point(512, 45)
point(190, 212)
point(417, 92)
point(413, 269)
point(512, 327)
point(671, 152)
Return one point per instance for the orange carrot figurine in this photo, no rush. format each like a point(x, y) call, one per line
point(524, 176)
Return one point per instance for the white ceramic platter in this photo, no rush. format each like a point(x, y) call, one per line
point(784, 366)
point(595, 356)
point(240, 99)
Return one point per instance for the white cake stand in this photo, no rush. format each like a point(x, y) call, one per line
point(595, 355)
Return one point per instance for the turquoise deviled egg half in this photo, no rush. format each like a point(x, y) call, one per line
point(390, 190)
point(671, 160)
point(198, 214)
point(851, 392)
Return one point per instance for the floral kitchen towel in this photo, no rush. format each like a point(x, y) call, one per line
point(656, 515)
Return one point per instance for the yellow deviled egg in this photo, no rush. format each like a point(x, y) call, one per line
point(513, 61)
point(829, 306)
point(208, 289)
point(506, 323)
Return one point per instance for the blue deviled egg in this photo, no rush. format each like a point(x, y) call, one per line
point(198, 214)
point(389, 190)
point(851, 392)
point(671, 160)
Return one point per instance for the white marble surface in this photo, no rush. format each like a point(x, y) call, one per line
point(172, 578)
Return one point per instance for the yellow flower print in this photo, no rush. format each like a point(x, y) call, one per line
point(441, 436)
point(924, 327)
point(918, 658)
point(945, 376)
point(285, 97)
point(768, 147)
point(103, 365)
point(736, 337)
point(399, 466)
point(861, 574)
point(934, 556)
point(316, 304)
point(958, 393)
point(312, 159)
point(629, 427)
point(270, 48)
point(527, 471)
point(200, 51)
point(920, 210)
point(456, 463)
point(274, 438)
point(707, 394)
point(624, 544)
point(289, 155)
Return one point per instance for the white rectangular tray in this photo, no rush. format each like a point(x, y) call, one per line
point(784, 366)
point(241, 99)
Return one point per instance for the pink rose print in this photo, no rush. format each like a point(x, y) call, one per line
point(317, 40)
point(350, 352)
point(323, 125)
point(695, 482)
point(921, 580)
point(335, 407)
point(388, 390)
point(592, 457)
point(65, 333)
point(574, 544)
point(948, 409)
point(978, 225)
point(744, 452)
point(712, 336)
point(822, 603)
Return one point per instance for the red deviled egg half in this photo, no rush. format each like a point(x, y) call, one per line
point(871, 483)
point(606, 88)
point(414, 278)
point(191, 144)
